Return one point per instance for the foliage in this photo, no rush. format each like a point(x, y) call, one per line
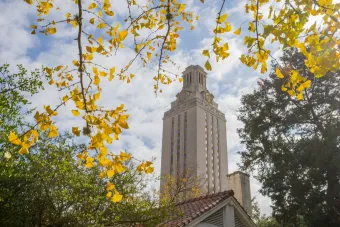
point(262, 220)
point(13, 89)
point(162, 21)
point(185, 185)
point(47, 187)
point(294, 146)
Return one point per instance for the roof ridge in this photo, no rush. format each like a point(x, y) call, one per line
point(195, 207)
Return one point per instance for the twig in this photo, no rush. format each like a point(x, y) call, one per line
point(81, 63)
point(162, 48)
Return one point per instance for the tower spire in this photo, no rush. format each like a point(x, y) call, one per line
point(194, 76)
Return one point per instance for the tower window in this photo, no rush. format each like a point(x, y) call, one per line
point(172, 146)
point(178, 141)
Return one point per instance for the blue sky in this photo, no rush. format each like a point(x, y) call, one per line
point(228, 81)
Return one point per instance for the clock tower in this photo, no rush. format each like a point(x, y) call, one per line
point(194, 134)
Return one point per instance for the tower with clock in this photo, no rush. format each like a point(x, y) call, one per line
point(194, 134)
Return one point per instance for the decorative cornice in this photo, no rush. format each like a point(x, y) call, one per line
point(182, 107)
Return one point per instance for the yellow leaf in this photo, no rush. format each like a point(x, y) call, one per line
point(14, 138)
point(180, 80)
point(149, 169)
point(48, 71)
point(100, 40)
point(120, 168)
point(102, 174)
point(33, 32)
point(306, 84)
point(53, 132)
point(95, 70)
point(92, 20)
point(238, 31)
point(251, 27)
point(23, 150)
point(89, 162)
point(208, 66)
point(29, 1)
point(110, 173)
point(300, 96)
point(76, 131)
point(33, 26)
point(75, 113)
point(65, 98)
point(112, 70)
point(101, 25)
point(149, 55)
point(122, 123)
point(181, 7)
point(92, 5)
point(124, 156)
point(206, 53)
point(109, 194)
point(109, 13)
point(291, 92)
point(120, 107)
point(117, 197)
point(89, 49)
point(222, 18)
point(96, 80)
point(278, 73)
point(74, 23)
point(110, 186)
point(264, 67)
point(103, 73)
point(76, 63)
point(51, 31)
point(122, 35)
point(8, 155)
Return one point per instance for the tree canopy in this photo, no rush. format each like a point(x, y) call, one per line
point(294, 145)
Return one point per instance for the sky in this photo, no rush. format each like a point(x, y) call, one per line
point(228, 80)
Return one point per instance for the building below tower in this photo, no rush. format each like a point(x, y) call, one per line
point(239, 183)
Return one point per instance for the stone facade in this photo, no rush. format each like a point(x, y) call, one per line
point(194, 134)
point(239, 183)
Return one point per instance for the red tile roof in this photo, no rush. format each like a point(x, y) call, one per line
point(193, 208)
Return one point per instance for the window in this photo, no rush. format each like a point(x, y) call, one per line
point(172, 146)
point(212, 153)
point(178, 141)
point(185, 142)
point(206, 150)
